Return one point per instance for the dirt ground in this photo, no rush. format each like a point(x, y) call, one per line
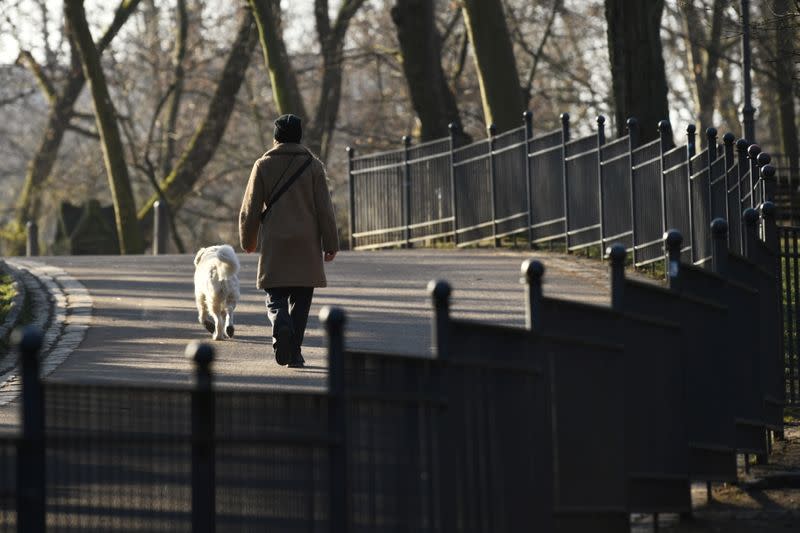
point(767, 499)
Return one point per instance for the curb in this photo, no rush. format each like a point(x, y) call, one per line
point(18, 301)
point(62, 309)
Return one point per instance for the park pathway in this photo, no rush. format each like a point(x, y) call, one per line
point(144, 315)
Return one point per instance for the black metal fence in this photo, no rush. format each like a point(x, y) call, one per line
point(570, 424)
point(548, 187)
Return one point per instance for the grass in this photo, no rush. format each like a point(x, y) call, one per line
point(7, 294)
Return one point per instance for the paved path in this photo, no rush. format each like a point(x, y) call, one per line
point(143, 310)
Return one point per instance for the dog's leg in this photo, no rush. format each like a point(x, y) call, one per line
point(229, 329)
point(202, 312)
point(218, 333)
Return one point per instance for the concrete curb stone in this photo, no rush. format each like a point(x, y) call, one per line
point(62, 309)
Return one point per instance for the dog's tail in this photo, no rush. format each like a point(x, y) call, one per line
point(229, 263)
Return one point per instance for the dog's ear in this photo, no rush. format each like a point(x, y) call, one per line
point(198, 256)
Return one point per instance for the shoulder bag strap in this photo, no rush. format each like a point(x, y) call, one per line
point(286, 186)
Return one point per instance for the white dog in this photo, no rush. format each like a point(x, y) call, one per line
point(216, 289)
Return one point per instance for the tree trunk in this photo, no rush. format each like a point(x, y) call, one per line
point(637, 64)
point(61, 111)
point(501, 92)
point(285, 91)
point(785, 73)
point(178, 185)
point(168, 136)
point(703, 54)
point(421, 47)
point(130, 237)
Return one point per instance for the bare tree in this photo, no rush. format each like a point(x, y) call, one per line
point(128, 232)
point(420, 44)
point(60, 120)
point(178, 185)
point(637, 64)
point(501, 92)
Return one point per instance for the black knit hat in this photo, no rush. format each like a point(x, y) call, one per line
point(288, 129)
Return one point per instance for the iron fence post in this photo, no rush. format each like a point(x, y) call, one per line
point(691, 129)
point(454, 130)
point(748, 111)
point(767, 182)
point(727, 141)
point(711, 156)
point(741, 156)
point(440, 295)
point(334, 319)
point(532, 272)
point(351, 188)
point(601, 140)
point(769, 226)
point(31, 239)
point(203, 447)
point(665, 141)
point(752, 153)
point(616, 257)
point(633, 143)
point(406, 191)
point(159, 228)
point(719, 246)
point(439, 292)
point(527, 118)
point(750, 217)
point(31, 500)
point(492, 129)
point(565, 181)
point(672, 243)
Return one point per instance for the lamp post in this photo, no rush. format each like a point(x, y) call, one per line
point(748, 126)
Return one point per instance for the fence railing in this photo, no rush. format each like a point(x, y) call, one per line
point(549, 187)
point(572, 423)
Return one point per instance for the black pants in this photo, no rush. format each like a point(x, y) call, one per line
point(289, 306)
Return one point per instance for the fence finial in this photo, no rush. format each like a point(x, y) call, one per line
point(616, 256)
point(663, 126)
point(711, 134)
point(719, 246)
point(492, 129)
point(532, 271)
point(202, 355)
point(672, 242)
point(752, 151)
point(440, 291)
point(750, 218)
point(633, 131)
point(729, 138)
point(29, 341)
point(741, 146)
point(763, 159)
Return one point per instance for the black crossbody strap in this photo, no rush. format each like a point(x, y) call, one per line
point(286, 186)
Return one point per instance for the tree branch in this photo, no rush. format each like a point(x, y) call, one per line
point(25, 59)
point(83, 131)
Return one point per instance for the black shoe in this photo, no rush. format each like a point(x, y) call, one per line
point(297, 361)
point(283, 345)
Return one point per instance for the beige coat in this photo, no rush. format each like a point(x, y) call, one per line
point(300, 225)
